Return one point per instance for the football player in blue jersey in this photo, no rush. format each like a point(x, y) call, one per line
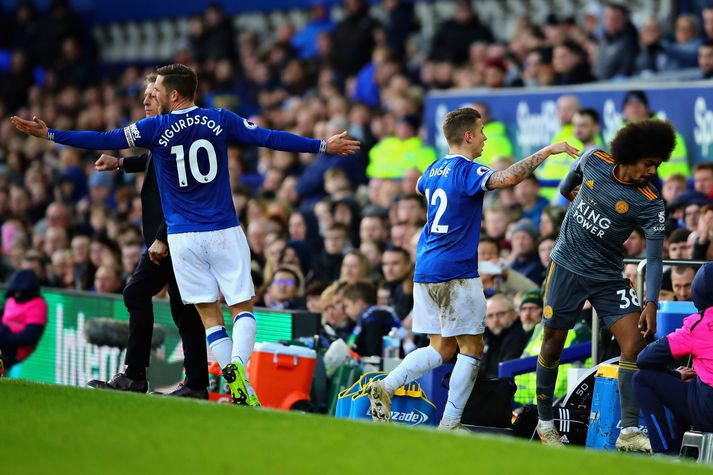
point(449, 304)
point(209, 249)
point(614, 197)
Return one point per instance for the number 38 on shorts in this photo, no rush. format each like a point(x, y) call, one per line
point(565, 293)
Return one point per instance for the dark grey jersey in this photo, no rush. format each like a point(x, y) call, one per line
point(602, 216)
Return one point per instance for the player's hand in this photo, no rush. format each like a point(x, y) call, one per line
point(573, 194)
point(106, 163)
point(35, 127)
point(158, 251)
point(705, 227)
point(563, 147)
point(686, 373)
point(342, 145)
point(647, 320)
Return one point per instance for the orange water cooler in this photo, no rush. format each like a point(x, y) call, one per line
point(282, 375)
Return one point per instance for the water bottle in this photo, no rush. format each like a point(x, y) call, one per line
point(392, 344)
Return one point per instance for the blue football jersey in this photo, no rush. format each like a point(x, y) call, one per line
point(190, 155)
point(448, 247)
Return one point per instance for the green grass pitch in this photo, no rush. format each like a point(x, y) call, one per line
point(49, 429)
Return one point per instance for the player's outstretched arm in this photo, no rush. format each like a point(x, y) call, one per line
point(517, 172)
point(654, 272)
point(115, 139)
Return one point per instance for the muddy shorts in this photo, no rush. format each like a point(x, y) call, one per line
point(452, 308)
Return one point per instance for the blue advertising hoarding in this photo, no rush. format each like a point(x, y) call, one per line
point(530, 115)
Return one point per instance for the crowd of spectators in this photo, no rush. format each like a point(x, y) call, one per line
point(319, 227)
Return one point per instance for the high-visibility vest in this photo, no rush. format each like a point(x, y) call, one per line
point(678, 163)
point(391, 157)
point(498, 144)
point(526, 390)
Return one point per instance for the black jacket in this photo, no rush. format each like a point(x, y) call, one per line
point(507, 345)
point(152, 219)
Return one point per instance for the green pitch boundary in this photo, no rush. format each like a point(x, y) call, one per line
point(56, 430)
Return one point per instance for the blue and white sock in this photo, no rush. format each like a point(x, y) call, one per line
point(220, 344)
point(463, 378)
point(244, 333)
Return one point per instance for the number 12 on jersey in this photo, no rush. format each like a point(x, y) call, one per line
point(178, 151)
point(439, 196)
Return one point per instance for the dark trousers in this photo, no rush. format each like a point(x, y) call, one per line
point(147, 280)
point(655, 391)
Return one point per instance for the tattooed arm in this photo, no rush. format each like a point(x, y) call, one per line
point(517, 172)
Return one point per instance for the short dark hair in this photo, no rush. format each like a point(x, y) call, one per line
point(644, 139)
point(490, 240)
point(707, 43)
point(639, 230)
point(316, 288)
point(415, 197)
point(680, 270)
point(703, 166)
point(179, 78)
point(679, 235)
point(618, 6)
point(573, 47)
point(360, 291)
point(589, 112)
point(288, 270)
point(399, 250)
point(134, 242)
point(341, 227)
point(457, 122)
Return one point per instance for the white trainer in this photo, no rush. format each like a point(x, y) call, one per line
point(380, 401)
point(635, 441)
point(451, 425)
point(549, 435)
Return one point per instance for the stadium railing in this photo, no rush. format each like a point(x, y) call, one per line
point(512, 368)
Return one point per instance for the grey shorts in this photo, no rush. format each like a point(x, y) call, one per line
point(565, 292)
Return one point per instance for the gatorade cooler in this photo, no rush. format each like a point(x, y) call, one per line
point(605, 415)
point(670, 316)
point(282, 375)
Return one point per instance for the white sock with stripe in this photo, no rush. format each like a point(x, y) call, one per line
point(220, 344)
point(244, 333)
point(463, 378)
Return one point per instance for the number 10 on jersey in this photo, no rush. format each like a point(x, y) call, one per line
point(178, 151)
point(439, 197)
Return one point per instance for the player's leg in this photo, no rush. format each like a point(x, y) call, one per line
point(657, 391)
point(192, 334)
point(618, 307)
point(418, 362)
point(628, 336)
point(415, 364)
point(198, 286)
point(244, 335)
point(462, 314)
point(564, 294)
point(465, 372)
point(229, 258)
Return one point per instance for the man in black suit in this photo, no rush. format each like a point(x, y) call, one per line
point(152, 273)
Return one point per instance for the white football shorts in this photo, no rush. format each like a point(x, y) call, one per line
point(210, 261)
point(452, 308)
